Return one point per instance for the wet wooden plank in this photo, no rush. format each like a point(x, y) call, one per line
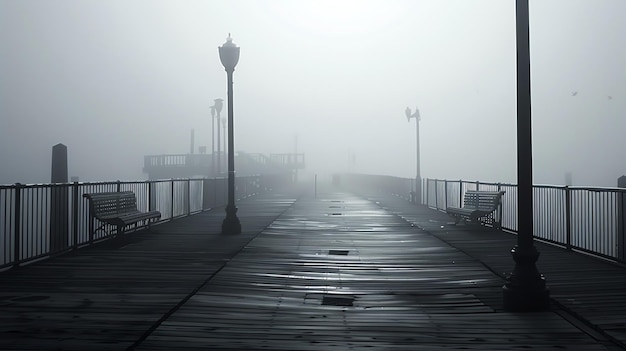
point(106, 297)
point(333, 273)
point(407, 290)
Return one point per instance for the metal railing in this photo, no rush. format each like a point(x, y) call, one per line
point(40, 220)
point(588, 219)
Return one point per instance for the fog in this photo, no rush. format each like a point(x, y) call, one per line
point(117, 80)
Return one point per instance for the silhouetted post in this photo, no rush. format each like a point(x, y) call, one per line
point(525, 289)
point(418, 177)
point(59, 223)
point(229, 55)
point(621, 208)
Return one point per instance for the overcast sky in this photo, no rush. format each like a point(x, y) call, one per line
point(116, 80)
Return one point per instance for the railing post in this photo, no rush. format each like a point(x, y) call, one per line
point(436, 194)
point(460, 193)
point(445, 196)
point(75, 200)
point(205, 194)
point(499, 209)
point(621, 230)
point(119, 186)
point(150, 206)
point(427, 192)
point(568, 219)
point(172, 198)
point(188, 196)
point(17, 219)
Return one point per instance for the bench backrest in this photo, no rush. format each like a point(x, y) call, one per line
point(112, 203)
point(482, 200)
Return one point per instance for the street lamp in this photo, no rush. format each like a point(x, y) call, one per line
point(229, 55)
point(525, 288)
point(418, 178)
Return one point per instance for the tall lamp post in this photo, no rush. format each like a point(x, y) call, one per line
point(229, 55)
point(525, 288)
point(218, 107)
point(224, 137)
point(418, 177)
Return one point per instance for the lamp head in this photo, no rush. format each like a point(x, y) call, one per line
point(218, 106)
point(229, 54)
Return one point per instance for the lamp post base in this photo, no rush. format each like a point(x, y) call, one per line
point(525, 289)
point(231, 224)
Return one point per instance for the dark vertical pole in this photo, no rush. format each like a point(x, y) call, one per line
point(231, 224)
point(224, 146)
point(18, 221)
point(188, 196)
point(568, 218)
point(460, 193)
point(172, 198)
point(219, 150)
point(150, 196)
point(75, 202)
point(525, 288)
point(621, 240)
point(59, 216)
point(621, 216)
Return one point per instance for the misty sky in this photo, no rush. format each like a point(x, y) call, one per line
point(117, 80)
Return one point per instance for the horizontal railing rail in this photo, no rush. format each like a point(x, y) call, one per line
point(586, 219)
point(41, 220)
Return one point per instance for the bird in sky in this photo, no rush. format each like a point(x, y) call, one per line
point(574, 93)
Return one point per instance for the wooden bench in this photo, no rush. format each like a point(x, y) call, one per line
point(118, 209)
point(481, 207)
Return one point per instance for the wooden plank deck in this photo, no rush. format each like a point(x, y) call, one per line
point(589, 288)
point(106, 297)
point(335, 272)
point(339, 273)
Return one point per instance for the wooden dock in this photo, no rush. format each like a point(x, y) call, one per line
point(335, 272)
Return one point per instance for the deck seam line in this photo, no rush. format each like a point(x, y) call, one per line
point(182, 302)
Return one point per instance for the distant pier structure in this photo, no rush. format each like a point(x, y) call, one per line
point(203, 165)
